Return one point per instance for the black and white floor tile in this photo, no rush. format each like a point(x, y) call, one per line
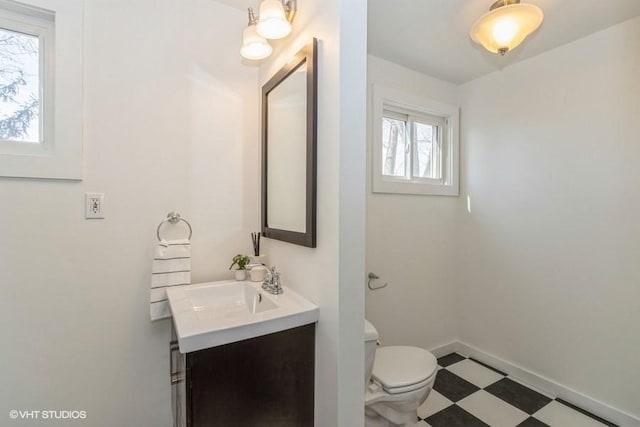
point(468, 393)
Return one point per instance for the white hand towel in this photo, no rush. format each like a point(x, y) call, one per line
point(171, 267)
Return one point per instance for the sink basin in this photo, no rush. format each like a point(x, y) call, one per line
point(227, 300)
point(217, 313)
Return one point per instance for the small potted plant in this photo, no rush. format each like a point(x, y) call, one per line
point(241, 261)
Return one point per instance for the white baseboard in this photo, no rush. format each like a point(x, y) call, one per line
point(545, 385)
point(445, 349)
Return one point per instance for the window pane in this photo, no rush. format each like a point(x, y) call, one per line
point(426, 160)
point(19, 87)
point(394, 147)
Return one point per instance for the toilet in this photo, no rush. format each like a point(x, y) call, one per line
point(398, 380)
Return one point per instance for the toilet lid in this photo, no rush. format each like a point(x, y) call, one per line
point(401, 366)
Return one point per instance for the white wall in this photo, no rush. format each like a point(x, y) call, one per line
point(410, 239)
point(332, 274)
point(171, 123)
point(548, 257)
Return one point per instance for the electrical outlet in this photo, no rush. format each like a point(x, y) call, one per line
point(93, 205)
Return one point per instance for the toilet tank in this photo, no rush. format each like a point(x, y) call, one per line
point(370, 343)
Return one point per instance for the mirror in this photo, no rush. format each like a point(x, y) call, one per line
point(289, 122)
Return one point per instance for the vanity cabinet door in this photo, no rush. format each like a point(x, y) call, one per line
point(266, 381)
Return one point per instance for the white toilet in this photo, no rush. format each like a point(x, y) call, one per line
point(398, 380)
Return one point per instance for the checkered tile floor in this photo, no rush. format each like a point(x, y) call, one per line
point(469, 394)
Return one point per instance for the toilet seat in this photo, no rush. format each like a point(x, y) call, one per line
point(402, 369)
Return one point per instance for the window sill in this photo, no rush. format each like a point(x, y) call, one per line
point(420, 189)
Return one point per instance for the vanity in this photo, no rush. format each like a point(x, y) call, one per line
point(242, 357)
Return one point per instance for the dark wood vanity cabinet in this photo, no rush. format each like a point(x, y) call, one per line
point(266, 381)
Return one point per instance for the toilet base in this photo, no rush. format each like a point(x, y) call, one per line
point(372, 419)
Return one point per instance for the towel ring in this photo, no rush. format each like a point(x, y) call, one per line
point(373, 276)
point(174, 218)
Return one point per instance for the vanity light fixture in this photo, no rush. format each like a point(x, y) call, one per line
point(253, 45)
point(506, 25)
point(273, 22)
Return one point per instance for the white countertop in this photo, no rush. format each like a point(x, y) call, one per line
point(215, 313)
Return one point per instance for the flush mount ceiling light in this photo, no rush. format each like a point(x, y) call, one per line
point(274, 22)
point(506, 25)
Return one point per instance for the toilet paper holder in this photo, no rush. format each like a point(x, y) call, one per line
point(371, 277)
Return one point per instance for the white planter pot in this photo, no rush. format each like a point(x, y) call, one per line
point(241, 274)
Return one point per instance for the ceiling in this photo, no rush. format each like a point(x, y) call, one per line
point(241, 4)
point(432, 36)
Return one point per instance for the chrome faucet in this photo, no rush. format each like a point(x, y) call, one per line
point(276, 286)
point(271, 281)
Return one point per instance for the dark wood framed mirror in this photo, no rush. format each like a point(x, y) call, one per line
point(289, 141)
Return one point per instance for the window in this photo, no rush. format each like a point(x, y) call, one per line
point(411, 146)
point(415, 145)
point(20, 100)
point(26, 80)
point(41, 88)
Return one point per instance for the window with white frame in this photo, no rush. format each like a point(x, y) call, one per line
point(25, 77)
point(41, 88)
point(415, 145)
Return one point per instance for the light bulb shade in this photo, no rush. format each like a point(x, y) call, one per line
point(253, 46)
point(272, 23)
point(504, 28)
